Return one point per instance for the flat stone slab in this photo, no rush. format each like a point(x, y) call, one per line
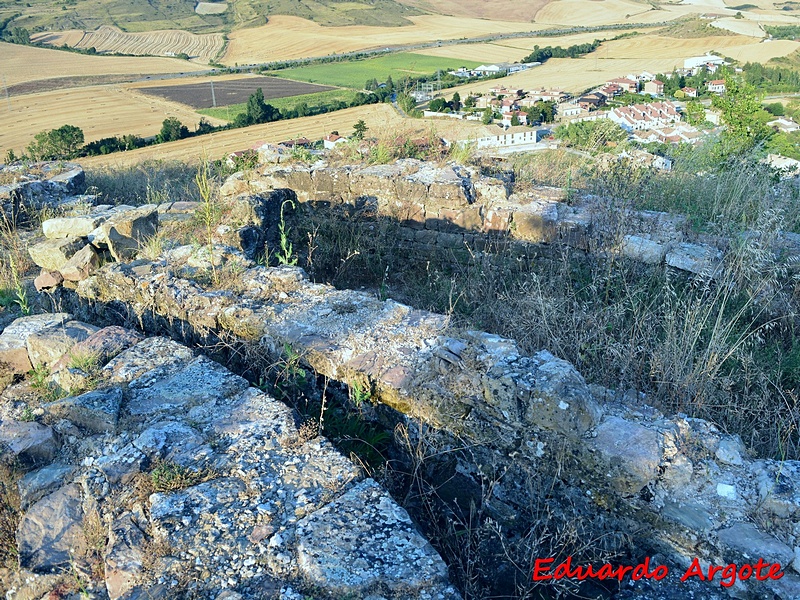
point(746, 539)
point(64, 227)
point(54, 254)
point(51, 533)
point(200, 381)
point(47, 346)
point(364, 541)
point(14, 339)
point(97, 411)
point(148, 361)
point(695, 258)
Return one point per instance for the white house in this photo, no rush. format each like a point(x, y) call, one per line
point(717, 86)
point(332, 140)
point(645, 116)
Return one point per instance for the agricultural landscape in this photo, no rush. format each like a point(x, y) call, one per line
point(497, 284)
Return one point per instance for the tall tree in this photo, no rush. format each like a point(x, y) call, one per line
point(359, 129)
point(172, 129)
point(741, 110)
point(56, 144)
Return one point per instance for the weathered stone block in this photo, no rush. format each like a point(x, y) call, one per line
point(632, 452)
point(47, 280)
point(695, 258)
point(341, 548)
point(102, 345)
point(47, 346)
point(67, 227)
point(14, 339)
point(125, 231)
point(535, 222)
point(41, 482)
point(54, 254)
point(124, 558)
point(97, 411)
point(50, 534)
point(465, 219)
point(642, 249)
point(81, 265)
point(32, 442)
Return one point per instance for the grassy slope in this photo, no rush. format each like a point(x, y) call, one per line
point(355, 74)
point(148, 15)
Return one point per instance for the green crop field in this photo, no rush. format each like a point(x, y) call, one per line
point(356, 73)
point(312, 101)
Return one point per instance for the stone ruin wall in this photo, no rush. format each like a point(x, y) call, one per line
point(674, 484)
point(453, 208)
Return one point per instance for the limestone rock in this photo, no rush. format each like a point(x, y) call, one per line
point(147, 361)
point(342, 547)
point(50, 533)
point(124, 232)
point(751, 543)
point(699, 259)
point(103, 345)
point(642, 249)
point(54, 254)
point(36, 484)
point(200, 381)
point(47, 346)
point(79, 226)
point(82, 264)
point(47, 280)
point(124, 556)
point(97, 411)
point(32, 442)
point(13, 340)
point(633, 453)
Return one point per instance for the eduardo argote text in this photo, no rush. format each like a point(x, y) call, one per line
point(727, 575)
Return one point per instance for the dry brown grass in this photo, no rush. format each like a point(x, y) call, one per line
point(292, 37)
point(25, 63)
point(158, 43)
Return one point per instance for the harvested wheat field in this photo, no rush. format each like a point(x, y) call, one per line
point(523, 11)
point(156, 43)
point(513, 49)
point(291, 37)
point(217, 145)
point(17, 62)
point(605, 12)
point(101, 111)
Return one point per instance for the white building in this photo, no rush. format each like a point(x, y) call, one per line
point(645, 116)
point(700, 61)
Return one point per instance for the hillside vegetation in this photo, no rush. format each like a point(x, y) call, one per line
point(149, 15)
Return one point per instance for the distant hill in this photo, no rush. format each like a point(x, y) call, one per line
point(188, 15)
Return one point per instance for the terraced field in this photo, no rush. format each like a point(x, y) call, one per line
point(16, 65)
point(153, 43)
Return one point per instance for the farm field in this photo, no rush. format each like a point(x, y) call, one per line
point(16, 64)
point(155, 43)
point(231, 91)
point(101, 111)
point(292, 37)
point(355, 74)
point(228, 113)
point(219, 144)
point(512, 10)
point(512, 50)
